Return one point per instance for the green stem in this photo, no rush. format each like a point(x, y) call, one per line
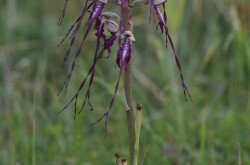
point(129, 112)
point(127, 26)
point(131, 135)
point(34, 130)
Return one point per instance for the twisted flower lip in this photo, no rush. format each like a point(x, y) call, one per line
point(162, 22)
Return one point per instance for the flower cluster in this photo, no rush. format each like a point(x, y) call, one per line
point(112, 23)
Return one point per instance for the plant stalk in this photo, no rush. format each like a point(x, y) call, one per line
point(127, 26)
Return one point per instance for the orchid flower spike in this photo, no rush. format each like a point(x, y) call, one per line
point(108, 29)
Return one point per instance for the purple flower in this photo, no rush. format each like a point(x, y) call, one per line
point(107, 21)
point(162, 22)
point(94, 16)
point(123, 57)
point(100, 21)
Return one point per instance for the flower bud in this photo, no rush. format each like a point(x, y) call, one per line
point(109, 15)
point(112, 27)
point(158, 2)
point(103, 1)
point(128, 34)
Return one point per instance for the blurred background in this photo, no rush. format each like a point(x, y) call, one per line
point(212, 39)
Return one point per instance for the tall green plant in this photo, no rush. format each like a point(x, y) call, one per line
point(120, 29)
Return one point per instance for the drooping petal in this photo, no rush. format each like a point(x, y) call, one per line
point(162, 18)
point(100, 35)
point(93, 17)
point(185, 89)
point(107, 45)
point(75, 27)
point(62, 13)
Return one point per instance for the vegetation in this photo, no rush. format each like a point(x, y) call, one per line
point(212, 39)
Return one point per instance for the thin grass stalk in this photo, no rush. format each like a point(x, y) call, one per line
point(34, 130)
point(137, 133)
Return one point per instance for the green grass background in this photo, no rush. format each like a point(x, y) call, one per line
point(213, 43)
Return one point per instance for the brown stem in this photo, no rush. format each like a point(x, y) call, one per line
point(127, 26)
